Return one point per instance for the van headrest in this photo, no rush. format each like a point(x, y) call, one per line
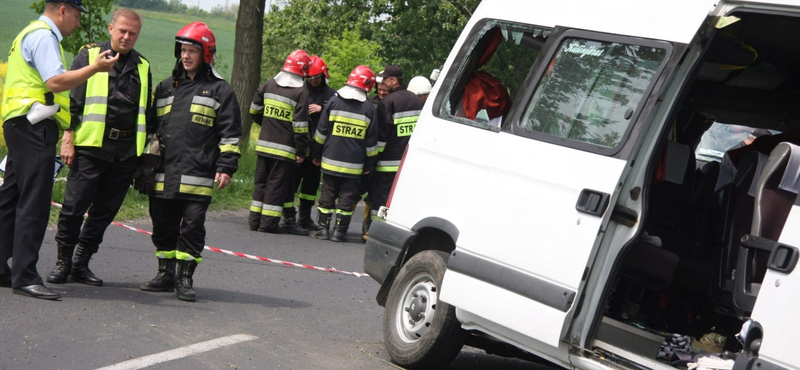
point(678, 157)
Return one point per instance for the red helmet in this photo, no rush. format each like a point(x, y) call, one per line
point(298, 62)
point(362, 77)
point(197, 34)
point(318, 67)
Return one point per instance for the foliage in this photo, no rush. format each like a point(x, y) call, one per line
point(345, 53)
point(94, 25)
point(309, 25)
point(418, 34)
point(178, 7)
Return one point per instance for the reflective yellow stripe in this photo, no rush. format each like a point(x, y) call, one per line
point(344, 213)
point(194, 189)
point(387, 168)
point(288, 205)
point(169, 255)
point(269, 212)
point(307, 197)
point(202, 109)
point(183, 256)
point(255, 209)
point(278, 152)
point(412, 119)
point(349, 120)
point(159, 186)
point(350, 171)
point(324, 210)
point(229, 149)
point(319, 139)
point(163, 110)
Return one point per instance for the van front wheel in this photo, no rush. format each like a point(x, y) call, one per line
point(420, 331)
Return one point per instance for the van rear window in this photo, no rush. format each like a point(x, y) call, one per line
point(591, 89)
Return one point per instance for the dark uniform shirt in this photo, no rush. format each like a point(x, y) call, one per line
point(397, 115)
point(124, 87)
point(318, 95)
point(196, 119)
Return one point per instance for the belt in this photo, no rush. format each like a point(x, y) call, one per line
point(115, 134)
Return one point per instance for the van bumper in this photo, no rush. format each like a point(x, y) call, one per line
point(385, 244)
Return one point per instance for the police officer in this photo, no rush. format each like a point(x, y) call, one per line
point(200, 126)
point(345, 146)
point(35, 85)
point(307, 175)
point(280, 106)
point(396, 117)
point(108, 130)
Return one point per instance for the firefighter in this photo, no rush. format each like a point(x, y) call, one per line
point(420, 86)
point(280, 106)
point(306, 178)
point(35, 107)
point(396, 117)
point(102, 146)
point(345, 146)
point(199, 126)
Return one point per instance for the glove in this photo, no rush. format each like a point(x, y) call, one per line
point(144, 178)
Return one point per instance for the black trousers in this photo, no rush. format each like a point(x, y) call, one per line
point(334, 187)
point(379, 191)
point(25, 196)
point(273, 182)
point(306, 180)
point(179, 227)
point(363, 187)
point(95, 183)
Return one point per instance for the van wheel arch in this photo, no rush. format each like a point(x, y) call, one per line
point(433, 233)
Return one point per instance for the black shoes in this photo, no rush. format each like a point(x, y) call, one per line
point(37, 291)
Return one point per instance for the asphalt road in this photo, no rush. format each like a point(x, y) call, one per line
point(249, 314)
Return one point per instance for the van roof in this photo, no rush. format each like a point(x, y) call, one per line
point(674, 20)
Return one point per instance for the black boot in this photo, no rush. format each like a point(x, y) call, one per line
point(289, 225)
point(183, 282)
point(80, 266)
point(304, 216)
point(164, 280)
point(340, 230)
point(253, 220)
point(324, 220)
point(63, 265)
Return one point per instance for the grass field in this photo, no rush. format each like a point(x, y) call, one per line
point(156, 42)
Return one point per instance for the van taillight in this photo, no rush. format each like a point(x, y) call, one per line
point(396, 177)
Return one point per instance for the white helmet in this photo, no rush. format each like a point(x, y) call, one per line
point(419, 85)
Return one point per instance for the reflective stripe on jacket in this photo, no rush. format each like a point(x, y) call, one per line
point(282, 113)
point(346, 140)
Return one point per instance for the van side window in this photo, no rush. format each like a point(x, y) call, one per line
point(590, 90)
point(491, 73)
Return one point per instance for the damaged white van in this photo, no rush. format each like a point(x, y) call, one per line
point(585, 188)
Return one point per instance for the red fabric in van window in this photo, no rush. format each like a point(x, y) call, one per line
point(484, 91)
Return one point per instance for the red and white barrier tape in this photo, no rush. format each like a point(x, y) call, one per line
point(249, 256)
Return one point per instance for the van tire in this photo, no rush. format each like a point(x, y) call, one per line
point(417, 334)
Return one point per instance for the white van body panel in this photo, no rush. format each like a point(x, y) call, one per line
point(776, 307)
point(677, 21)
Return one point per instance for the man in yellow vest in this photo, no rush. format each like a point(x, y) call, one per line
point(102, 146)
point(35, 84)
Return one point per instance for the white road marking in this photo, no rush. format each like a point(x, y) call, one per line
point(146, 361)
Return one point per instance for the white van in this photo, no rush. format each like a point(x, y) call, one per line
point(575, 219)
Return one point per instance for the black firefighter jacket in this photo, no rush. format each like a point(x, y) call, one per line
point(397, 116)
point(346, 140)
point(282, 113)
point(200, 127)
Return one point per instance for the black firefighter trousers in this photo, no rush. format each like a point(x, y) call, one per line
point(98, 186)
point(273, 183)
point(179, 227)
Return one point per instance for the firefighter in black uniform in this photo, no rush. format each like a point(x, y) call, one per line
point(306, 178)
point(199, 126)
point(102, 146)
point(345, 146)
point(280, 106)
point(396, 117)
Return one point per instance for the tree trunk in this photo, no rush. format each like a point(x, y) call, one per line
point(246, 75)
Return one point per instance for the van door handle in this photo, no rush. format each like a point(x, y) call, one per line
point(592, 202)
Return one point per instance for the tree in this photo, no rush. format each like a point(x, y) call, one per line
point(93, 25)
point(309, 25)
point(247, 49)
point(418, 34)
point(345, 53)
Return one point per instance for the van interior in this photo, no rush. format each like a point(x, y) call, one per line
point(688, 274)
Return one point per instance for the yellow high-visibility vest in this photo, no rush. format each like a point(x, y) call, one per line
point(24, 85)
point(91, 130)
